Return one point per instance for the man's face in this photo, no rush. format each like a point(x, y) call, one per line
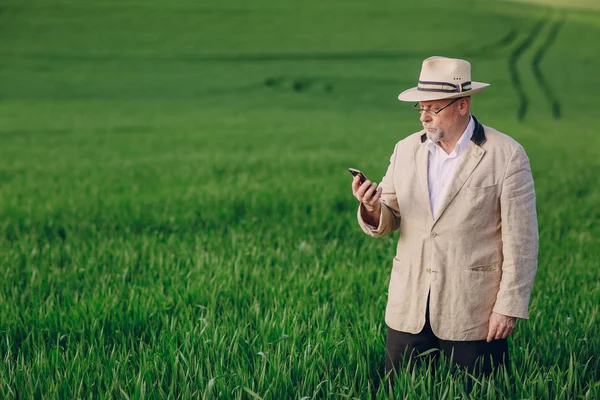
point(437, 126)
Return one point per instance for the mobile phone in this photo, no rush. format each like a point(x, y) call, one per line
point(355, 172)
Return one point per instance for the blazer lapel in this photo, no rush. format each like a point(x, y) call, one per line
point(421, 161)
point(471, 158)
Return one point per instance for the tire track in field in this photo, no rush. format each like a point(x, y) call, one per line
point(490, 50)
point(540, 79)
point(537, 71)
point(514, 72)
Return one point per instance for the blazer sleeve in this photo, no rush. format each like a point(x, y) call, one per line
point(519, 237)
point(389, 219)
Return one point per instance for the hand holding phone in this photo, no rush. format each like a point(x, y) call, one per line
point(355, 172)
point(368, 195)
point(365, 195)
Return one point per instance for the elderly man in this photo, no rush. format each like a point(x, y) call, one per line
point(462, 195)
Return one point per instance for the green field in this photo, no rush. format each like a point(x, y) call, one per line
point(176, 212)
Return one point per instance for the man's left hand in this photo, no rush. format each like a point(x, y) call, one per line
point(501, 326)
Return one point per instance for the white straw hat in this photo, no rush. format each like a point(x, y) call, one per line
point(443, 78)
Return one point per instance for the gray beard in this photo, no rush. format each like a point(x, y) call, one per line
point(436, 136)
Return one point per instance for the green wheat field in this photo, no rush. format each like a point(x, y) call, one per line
point(176, 213)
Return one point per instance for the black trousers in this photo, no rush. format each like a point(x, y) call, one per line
point(478, 356)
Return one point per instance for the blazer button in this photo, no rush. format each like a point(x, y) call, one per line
point(428, 270)
point(433, 234)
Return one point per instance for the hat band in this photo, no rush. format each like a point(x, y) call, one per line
point(444, 87)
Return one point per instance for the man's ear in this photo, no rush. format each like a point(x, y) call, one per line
point(464, 105)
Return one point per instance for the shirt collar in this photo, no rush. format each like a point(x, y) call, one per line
point(462, 143)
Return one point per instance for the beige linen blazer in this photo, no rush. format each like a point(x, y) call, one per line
point(479, 255)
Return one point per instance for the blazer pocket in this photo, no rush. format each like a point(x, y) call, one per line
point(482, 187)
point(486, 268)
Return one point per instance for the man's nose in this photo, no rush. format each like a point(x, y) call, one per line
point(425, 117)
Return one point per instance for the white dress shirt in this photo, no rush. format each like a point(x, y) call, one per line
point(442, 167)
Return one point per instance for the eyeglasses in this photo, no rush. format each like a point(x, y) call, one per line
point(420, 110)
